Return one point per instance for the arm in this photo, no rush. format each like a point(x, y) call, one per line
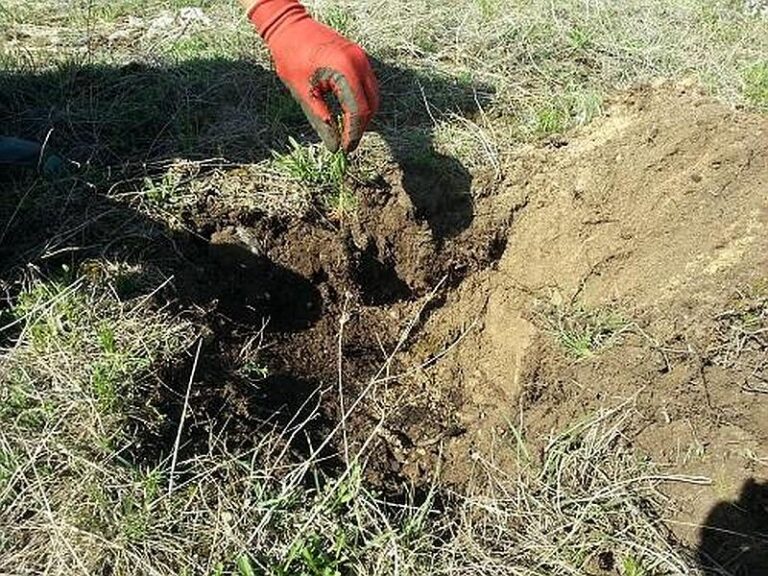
point(313, 60)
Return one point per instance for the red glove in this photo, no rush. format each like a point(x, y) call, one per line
point(313, 60)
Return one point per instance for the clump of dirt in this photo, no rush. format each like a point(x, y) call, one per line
point(657, 211)
point(292, 282)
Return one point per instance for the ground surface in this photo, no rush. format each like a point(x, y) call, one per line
point(523, 331)
point(656, 213)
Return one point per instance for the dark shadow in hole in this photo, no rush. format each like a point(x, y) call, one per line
point(287, 407)
point(294, 401)
point(412, 101)
point(378, 281)
point(250, 288)
point(734, 537)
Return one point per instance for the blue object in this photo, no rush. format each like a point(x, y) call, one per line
point(18, 152)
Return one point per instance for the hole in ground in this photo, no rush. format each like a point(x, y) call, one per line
point(379, 283)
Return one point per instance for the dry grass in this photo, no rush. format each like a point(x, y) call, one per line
point(742, 338)
point(586, 505)
point(72, 381)
point(75, 506)
point(581, 332)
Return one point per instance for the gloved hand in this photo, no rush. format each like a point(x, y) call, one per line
point(313, 60)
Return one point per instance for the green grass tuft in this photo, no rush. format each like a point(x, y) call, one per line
point(756, 85)
point(312, 165)
point(585, 333)
point(632, 567)
point(580, 38)
point(315, 167)
point(340, 19)
point(553, 118)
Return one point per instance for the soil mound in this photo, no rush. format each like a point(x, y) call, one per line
point(657, 216)
point(620, 264)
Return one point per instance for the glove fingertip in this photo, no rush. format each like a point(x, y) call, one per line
point(354, 128)
point(351, 145)
point(328, 134)
point(332, 144)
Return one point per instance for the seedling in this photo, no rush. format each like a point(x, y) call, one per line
point(255, 370)
point(312, 165)
point(315, 167)
point(579, 38)
point(317, 556)
point(551, 119)
point(104, 381)
point(244, 566)
point(162, 192)
point(488, 8)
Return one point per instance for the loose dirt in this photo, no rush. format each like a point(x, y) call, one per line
point(657, 212)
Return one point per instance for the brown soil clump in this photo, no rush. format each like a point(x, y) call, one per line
point(658, 212)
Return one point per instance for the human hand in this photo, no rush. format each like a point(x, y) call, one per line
point(314, 62)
